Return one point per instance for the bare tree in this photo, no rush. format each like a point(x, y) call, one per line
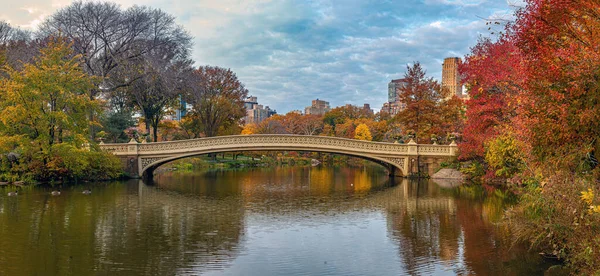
point(112, 41)
point(9, 33)
point(108, 37)
point(166, 76)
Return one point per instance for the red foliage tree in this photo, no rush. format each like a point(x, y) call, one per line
point(560, 110)
point(493, 73)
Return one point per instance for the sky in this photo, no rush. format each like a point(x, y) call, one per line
point(289, 52)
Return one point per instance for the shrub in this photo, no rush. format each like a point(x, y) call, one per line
point(557, 215)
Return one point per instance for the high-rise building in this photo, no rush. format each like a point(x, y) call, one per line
point(256, 113)
point(451, 78)
point(318, 107)
point(180, 111)
point(394, 104)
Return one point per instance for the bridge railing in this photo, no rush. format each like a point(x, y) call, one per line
point(282, 141)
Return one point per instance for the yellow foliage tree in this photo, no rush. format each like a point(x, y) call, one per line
point(362, 132)
point(47, 100)
point(505, 155)
point(249, 129)
point(43, 118)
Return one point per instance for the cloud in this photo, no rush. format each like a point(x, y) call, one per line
point(289, 52)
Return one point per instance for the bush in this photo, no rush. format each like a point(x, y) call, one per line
point(474, 169)
point(504, 155)
point(62, 162)
point(560, 216)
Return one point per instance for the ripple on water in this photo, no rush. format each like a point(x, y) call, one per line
point(281, 221)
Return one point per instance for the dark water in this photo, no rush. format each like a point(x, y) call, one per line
point(278, 221)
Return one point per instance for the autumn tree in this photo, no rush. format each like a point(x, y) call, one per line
point(47, 99)
point(363, 133)
point(422, 96)
point(43, 116)
point(493, 74)
point(249, 129)
point(271, 126)
point(217, 97)
point(559, 110)
point(109, 39)
point(310, 124)
point(535, 95)
point(340, 114)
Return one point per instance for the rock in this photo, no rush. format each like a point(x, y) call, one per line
point(448, 174)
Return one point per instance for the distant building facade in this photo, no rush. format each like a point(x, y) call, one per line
point(318, 107)
point(256, 113)
point(450, 78)
point(394, 105)
point(178, 113)
point(365, 109)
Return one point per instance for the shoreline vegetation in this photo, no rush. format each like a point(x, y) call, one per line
point(531, 122)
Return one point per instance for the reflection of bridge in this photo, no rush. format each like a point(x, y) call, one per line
point(140, 159)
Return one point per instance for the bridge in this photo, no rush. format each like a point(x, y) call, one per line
point(141, 159)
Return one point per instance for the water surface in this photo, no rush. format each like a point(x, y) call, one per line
point(266, 221)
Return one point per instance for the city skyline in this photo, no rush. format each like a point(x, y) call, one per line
point(288, 53)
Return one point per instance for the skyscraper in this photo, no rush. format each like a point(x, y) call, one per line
point(394, 105)
point(451, 78)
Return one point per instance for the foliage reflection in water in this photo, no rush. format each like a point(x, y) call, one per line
point(267, 221)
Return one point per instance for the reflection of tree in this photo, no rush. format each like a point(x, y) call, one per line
point(197, 221)
point(119, 229)
point(424, 224)
point(455, 227)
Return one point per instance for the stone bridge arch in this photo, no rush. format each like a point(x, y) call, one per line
point(140, 159)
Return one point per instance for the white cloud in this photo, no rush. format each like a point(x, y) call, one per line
point(289, 52)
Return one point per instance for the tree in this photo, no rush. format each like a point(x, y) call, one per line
point(110, 39)
point(9, 34)
point(249, 129)
point(46, 101)
point(422, 96)
point(115, 124)
point(43, 119)
point(559, 112)
point(107, 37)
point(345, 129)
point(494, 75)
point(363, 133)
point(340, 114)
point(154, 93)
point(217, 97)
point(310, 124)
point(271, 126)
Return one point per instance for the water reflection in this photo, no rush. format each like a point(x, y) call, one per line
point(271, 221)
point(121, 229)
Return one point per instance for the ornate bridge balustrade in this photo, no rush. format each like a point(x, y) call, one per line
point(140, 159)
